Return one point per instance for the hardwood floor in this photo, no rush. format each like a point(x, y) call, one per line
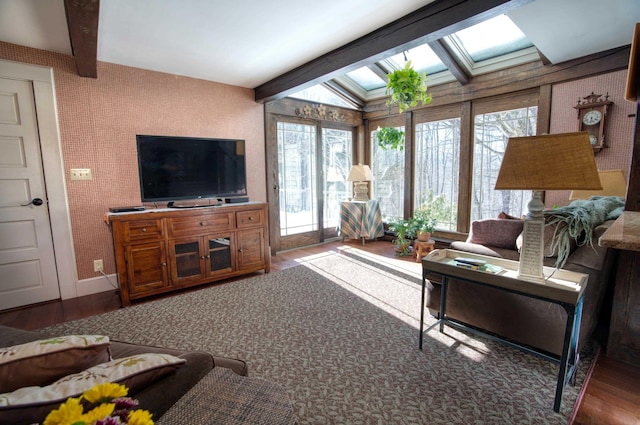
point(611, 395)
point(50, 313)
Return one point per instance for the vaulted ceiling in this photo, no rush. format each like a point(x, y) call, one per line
point(279, 48)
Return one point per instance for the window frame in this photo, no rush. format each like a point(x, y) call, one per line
point(454, 111)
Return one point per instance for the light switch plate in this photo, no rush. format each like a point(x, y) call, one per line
point(81, 174)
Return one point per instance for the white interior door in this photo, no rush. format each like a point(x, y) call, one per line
point(27, 263)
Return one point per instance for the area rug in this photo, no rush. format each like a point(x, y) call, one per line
point(340, 333)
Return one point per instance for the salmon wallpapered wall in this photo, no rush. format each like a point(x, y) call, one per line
point(619, 125)
point(99, 119)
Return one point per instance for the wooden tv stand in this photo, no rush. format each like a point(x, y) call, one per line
point(162, 250)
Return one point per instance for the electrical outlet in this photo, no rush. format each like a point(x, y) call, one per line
point(98, 266)
point(81, 174)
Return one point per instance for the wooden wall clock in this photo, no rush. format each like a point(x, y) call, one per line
point(592, 113)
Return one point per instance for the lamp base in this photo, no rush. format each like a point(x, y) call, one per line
point(532, 252)
point(360, 191)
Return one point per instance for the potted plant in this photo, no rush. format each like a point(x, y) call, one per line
point(407, 87)
point(390, 138)
point(421, 226)
point(401, 227)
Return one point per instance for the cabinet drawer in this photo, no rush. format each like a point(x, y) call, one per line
point(199, 225)
point(142, 230)
point(249, 218)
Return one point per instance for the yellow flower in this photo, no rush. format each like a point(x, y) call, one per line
point(101, 412)
point(69, 412)
point(140, 417)
point(105, 392)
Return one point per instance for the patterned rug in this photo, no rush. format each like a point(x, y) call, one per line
point(340, 333)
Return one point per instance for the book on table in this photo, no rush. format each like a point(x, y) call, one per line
point(474, 264)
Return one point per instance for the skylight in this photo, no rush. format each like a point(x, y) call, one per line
point(366, 78)
point(485, 47)
point(489, 39)
point(422, 59)
point(321, 94)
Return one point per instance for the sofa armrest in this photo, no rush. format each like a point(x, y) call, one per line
point(490, 251)
point(591, 257)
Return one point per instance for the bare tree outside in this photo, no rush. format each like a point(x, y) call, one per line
point(387, 166)
point(491, 133)
point(336, 164)
point(437, 166)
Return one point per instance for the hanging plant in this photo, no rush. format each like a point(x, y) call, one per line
point(390, 138)
point(407, 87)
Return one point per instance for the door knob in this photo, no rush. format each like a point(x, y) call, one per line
point(35, 201)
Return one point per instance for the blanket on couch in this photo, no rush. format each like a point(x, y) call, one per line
point(577, 221)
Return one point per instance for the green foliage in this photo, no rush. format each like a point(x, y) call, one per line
point(390, 138)
point(435, 208)
point(407, 87)
point(401, 228)
point(421, 222)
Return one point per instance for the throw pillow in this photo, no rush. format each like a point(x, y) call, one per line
point(496, 232)
point(508, 216)
point(45, 361)
point(32, 404)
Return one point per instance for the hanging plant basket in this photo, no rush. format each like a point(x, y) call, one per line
point(390, 138)
point(407, 87)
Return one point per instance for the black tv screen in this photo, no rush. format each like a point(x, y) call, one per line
point(190, 168)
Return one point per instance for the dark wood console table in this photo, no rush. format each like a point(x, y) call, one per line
point(624, 329)
point(565, 288)
point(166, 249)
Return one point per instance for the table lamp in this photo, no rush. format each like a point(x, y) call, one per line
point(613, 184)
point(360, 175)
point(548, 162)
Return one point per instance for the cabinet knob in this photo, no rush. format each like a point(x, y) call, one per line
point(240, 250)
point(144, 229)
point(202, 223)
point(202, 257)
point(250, 218)
point(207, 257)
point(164, 264)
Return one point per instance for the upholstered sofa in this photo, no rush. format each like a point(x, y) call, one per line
point(528, 321)
point(155, 393)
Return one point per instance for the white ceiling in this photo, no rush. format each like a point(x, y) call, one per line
point(249, 42)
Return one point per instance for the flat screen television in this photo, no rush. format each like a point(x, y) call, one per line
point(178, 168)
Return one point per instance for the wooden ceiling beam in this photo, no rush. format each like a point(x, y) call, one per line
point(82, 22)
point(450, 61)
point(429, 23)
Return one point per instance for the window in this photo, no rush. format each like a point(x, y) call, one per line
point(491, 132)
point(336, 164)
point(437, 166)
point(297, 178)
point(387, 166)
point(491, 38)
point(321, 94)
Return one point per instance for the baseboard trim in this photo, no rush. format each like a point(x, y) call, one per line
point(96, 285)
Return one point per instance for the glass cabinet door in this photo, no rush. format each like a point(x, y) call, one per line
point(219, 255)
point(187, 259)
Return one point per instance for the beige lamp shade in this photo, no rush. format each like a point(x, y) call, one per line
point(613, 184)
point(549, 162)
point(360, 173)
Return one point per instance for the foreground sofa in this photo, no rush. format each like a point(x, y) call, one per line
point(157, 397)
point(528, 321)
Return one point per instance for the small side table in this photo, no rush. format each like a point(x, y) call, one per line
point(360, 220)
point(421, 249)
